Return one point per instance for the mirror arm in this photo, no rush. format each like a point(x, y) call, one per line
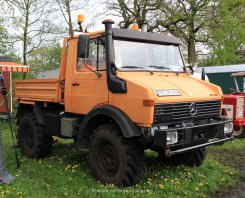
point(99, 75)
point(191, 69)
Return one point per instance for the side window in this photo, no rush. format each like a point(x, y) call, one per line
point(101, 54)
point(96, 58)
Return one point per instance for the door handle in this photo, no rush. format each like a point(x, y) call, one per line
point(75, 84)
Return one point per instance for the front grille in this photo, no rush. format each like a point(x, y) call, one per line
point(181, 111)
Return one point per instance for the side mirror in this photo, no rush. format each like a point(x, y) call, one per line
point(83, 46)
point(192, 68)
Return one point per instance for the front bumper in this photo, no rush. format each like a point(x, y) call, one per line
point(191, 137)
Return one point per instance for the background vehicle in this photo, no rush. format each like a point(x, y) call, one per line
point(120, 92)
point(234, 104)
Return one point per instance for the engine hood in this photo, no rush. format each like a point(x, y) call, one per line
point(191, 89)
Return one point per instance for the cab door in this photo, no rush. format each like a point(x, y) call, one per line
point(89, 85)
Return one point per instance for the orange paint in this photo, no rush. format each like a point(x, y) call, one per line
point(82, 91)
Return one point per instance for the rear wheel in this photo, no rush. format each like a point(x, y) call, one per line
point(239, 132)
point(32, 140)
point(191, 158)
point(115, 159)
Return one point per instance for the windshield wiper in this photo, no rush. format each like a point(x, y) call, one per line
point(129, 66)
point(159, 67)
point(163, 67)
point(132, 67)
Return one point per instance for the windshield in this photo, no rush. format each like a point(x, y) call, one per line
point(240, 83)
point(147, 56)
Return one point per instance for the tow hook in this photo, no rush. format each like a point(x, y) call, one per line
point(168, 153)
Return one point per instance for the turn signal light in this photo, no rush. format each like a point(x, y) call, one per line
point(148, 103)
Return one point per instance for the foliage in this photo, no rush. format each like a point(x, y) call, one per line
point(217, 25)
point(185, 20)
point(139, 11)
point(44, 59)
point(66, 7)
point(6, 47)
point(31, 23)
point(66, 173)
point(227, 30)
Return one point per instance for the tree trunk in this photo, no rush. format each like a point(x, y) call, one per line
point(69, 17)
point(25, 36)
point(191, 50)
point(24, 49)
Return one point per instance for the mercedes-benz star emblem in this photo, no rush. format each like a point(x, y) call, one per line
point(193, 109)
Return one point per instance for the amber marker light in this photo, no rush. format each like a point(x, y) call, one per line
point(135, 27)
point(148, 103)
point(80, 18)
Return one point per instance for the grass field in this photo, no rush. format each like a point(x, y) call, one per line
point(66, 173)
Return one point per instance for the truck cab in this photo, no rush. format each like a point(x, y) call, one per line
point(234, 104)
point(118, 93)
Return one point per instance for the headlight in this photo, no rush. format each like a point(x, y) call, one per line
point(169, 92)
point(172, 137)
point(240, 107)
point(228, 128)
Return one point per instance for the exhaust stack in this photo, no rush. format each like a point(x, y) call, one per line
point(115, 85)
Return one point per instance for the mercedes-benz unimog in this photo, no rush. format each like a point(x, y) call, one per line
point(118, 93)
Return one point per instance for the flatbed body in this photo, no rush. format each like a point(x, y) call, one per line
point(45, 90)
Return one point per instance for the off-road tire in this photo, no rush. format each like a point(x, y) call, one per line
point(191, 158)
point(115, 159)
point(32, 140)
point(239, 133)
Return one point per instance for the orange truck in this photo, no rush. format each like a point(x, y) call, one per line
point(118, 93)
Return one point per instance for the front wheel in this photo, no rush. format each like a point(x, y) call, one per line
point(190, 158)
point(115, 159)
point(239, 132)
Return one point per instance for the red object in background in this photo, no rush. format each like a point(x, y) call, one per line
point(236, 102)
point(13, 67)
point(6, 67)
point(230, 101)
point(7, 81)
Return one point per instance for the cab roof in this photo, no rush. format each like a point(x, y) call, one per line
point(146, 37)
point(137, 36)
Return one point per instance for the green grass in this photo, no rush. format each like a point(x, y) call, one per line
point(66, 173)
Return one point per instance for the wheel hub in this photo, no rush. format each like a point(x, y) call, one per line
point(237, 131)
point(29, 137)
point(108, 159)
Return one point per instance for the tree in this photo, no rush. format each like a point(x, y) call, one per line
point(6, 46)
point(66, 7)
point(3, 38)
point(187, 20)
point(44, 59)
point(140, 11)
point(227, 31)
point(31, 24)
